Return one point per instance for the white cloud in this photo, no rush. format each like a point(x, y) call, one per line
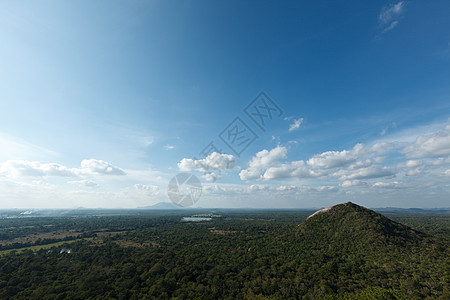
point(374, 171)
point(216, 161)
point(413, 163)
point(212, 165)
point(210, 176)
point(432, 145)
point(412, 167)
point(286, 188)
point(389, 15)
point(23, 168)
point(144, 187)
point(360, 164)
point(344, 165)
point(381, 148)
point(326, 188)
point(169, 147)
point(99, 167)
point(84, 183)
point(263, 160)
point(281, 190)
point(296, 124)
point(414, 172)
point(292, 169)
point(391, 26)
point(350, 183)
point(388, 185)
point(441, 161)
point(257, 187)
point(20, 168)
point(186, 165)
point(333, 159)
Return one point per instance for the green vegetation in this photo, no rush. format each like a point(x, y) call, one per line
point(46, 246)
point(348, 252)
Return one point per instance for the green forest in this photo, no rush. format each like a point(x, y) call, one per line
point(347, 253)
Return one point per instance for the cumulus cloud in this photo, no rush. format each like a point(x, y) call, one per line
point(23, 168)
point(84, 183)
point(281, 190)
point(432, 145)
point(389, 15)
point(295, 124)
point(216, 161)
point(333, 159)
point(186, 165)
point(263, 160)
point(99, 167)
point(19, 168)
point(374, 171)
point(292, 169)
point(343, 165)
point(412, 167)
point(210, 176)
point(211, 166)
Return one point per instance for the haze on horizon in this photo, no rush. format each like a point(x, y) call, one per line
point(103, 103)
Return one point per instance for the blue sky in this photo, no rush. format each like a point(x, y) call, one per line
point(102, 103)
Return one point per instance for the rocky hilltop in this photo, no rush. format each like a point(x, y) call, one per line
point(356, 225)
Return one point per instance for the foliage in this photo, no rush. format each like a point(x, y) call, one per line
point(352, 254)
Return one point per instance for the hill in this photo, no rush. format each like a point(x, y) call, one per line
point(379, 252)
point(349, 224)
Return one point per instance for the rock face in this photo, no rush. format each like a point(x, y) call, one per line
point(332, 209)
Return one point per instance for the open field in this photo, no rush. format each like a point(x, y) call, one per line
point(40, 247)
point(31, 238)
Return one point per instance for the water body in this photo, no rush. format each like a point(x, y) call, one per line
point(195, 219)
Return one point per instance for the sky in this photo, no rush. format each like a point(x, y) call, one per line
point(269, 104)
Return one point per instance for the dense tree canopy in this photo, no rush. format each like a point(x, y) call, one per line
point(352, 254)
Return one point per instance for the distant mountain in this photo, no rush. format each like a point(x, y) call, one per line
point(413, 210)
point(349, 224)
point(163, 206)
